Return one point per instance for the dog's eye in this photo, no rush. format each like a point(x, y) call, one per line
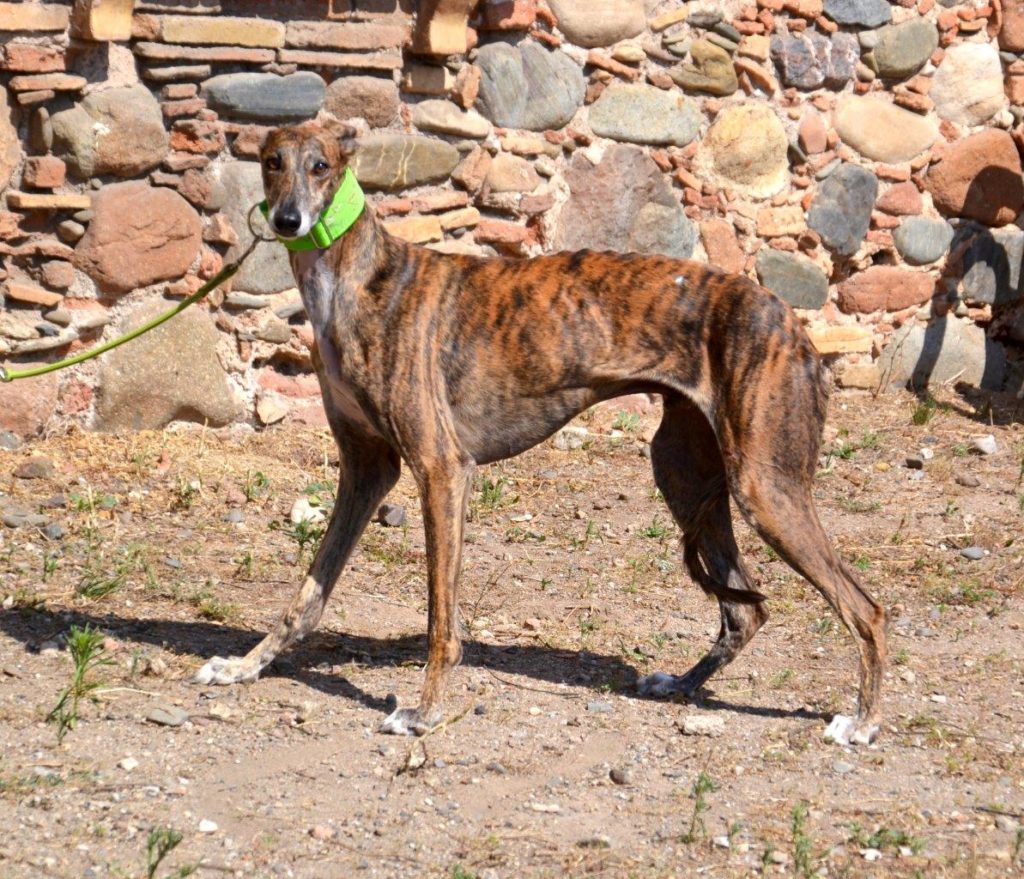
point(273, 163)
point(321, 167)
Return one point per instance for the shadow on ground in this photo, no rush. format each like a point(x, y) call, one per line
point(304, 663)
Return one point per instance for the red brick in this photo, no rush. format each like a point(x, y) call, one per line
point(38, 97)
point(504, 235)
point(187, 107)
point(29, 58)
point(191, 136)
point(903, 199)
point(44, 172)
point(10, 226)
point(164, 52)
point(33, 17)
point(249, 140)
point(510, 15)
point(179, 91)
point(884, 288)
point(58, 82)
point(390, 60)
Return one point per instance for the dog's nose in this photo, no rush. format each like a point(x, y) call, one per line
point(287, 222)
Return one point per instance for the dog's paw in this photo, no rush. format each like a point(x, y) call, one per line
point(844, 730)
point(662, 685)
point(406, 722)
point(233, 670)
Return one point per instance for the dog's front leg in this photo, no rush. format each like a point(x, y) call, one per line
point(368, 472)
point(443, 487)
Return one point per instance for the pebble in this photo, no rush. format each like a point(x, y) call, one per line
point(234, 516)
point(599, 840)
point(479, 709)
point(1006, 824)
point(870, 854)
point(621, 776)
point(599, 706)
point(915, 462)
point(391, 515)
point(701, 725)
point(926, 454)
point(722, 842)
point(968, 480)
point(842, 768)
point(54, 531)
point(974, 553)
point(303, 511)
point(35, 468)
point(9, 441)
point(982, 445)
point(207, 826)
point(321, 832)
point(167, 715)
point(128, 764)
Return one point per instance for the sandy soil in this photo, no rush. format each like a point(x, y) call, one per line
point(177, 546)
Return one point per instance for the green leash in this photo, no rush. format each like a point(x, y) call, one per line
point(9, 375)
point(346, 207)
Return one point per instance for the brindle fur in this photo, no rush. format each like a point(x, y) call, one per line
point(448, 361)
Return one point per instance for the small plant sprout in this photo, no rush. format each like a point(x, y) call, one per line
point(161, 842)
point(256, 486)
point(627, 422)
point(86, 649)
point(803, 847)
point(703, 786)
point(656, 530)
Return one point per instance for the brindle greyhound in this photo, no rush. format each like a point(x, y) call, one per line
point(448, 361)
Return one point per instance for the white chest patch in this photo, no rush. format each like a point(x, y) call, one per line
point(318, 286)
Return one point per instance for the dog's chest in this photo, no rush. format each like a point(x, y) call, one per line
point(318, 287)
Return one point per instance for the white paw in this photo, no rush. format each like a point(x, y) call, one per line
point(233, 670)
point(409, 722)
point(659, 684)
point(844, 730)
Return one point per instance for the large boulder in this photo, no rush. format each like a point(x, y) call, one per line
point(397, 161)
point(641, 113)
point(623, 203)
point(945, 350)
point(139, 235)
point(594, 23)
point(527, 86)
point(118, 131)
point(266, 97)
point(169, 374)
point(840, 211)
point(267, 269)
point(968, 86)
point(369, 97)
point(1011, 34)
point(979, 177)
point(746, 149)
point(879, 130)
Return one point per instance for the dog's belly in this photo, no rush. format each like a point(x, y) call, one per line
point(508, 426)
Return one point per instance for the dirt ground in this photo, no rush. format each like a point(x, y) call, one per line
point(177, 546)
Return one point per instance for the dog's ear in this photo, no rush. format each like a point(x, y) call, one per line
point(344, 134)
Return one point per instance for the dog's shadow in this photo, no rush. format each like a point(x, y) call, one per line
point(314, 661)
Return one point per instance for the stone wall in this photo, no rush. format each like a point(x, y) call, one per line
point(858, 157)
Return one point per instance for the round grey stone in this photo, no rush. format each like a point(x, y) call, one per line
point(921, 240)
point(903, 49)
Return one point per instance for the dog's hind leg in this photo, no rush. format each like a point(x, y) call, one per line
point(770, 454)
point(368, 472)
point(689, 471)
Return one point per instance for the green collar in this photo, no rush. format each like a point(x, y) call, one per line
point(345, 208)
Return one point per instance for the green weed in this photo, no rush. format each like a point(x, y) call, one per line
point(85, 646)
point(703, 786)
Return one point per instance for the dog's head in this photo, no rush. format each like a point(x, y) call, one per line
point(302, 168)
